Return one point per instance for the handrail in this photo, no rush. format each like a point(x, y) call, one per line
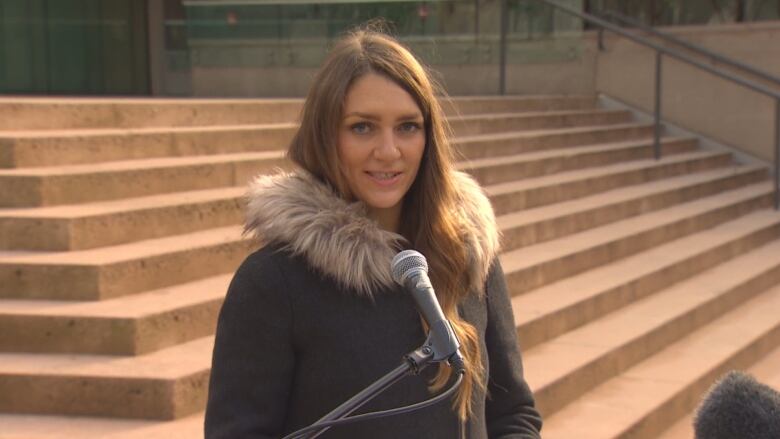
point(680, 56)
point(720, 58)
point(666, 51)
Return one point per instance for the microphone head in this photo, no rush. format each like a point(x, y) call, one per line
point(406, 264)
point(738, 406)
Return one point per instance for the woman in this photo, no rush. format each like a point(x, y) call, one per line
point(314, 316)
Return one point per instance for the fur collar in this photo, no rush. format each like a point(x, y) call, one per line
point(338, 239)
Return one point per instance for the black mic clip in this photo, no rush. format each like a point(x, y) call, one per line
point(441, 345)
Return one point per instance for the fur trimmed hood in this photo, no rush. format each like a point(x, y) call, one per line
point(338, 239)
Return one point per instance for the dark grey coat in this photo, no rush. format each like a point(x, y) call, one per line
point(295, 339)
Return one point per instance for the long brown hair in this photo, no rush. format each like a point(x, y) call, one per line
point(428, 221)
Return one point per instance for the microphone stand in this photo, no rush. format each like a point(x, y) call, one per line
point(439, 346)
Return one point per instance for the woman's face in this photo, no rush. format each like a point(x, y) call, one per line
point(380, 145)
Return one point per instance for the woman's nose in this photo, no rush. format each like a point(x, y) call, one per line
point(387, 149)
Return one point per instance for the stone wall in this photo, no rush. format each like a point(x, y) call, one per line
point(697, 100)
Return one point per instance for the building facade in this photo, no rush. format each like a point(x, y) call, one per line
point(269, 47)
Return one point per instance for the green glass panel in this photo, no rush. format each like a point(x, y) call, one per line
point(118, 51)
point(22, 48)
point(73, 47)
point(66, 41)
point(676, 12)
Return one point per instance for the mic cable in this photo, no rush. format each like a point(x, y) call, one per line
point(380, 414)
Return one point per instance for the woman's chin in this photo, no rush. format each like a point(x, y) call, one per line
point(383, 204)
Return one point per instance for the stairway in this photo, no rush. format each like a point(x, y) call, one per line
point(635, 283)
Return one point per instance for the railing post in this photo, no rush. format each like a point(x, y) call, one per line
point(658, 92)
point(777, 154)
point(601, 39)
point(502, 48)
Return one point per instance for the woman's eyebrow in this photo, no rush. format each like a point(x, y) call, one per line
point(409, 116)
point(361, 114)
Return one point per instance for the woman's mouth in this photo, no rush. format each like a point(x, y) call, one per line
point(384, 178)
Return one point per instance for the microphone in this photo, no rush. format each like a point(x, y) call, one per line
point(738, 406)
point(410, 269)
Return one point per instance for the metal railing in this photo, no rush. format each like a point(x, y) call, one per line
point(662, 51)
point(714, 56)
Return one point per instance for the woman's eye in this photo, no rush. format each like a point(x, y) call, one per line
point(360, 128)
point(410, 127)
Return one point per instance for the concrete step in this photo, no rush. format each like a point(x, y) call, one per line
point(166, 384)
point(585, 297)
point(19, 149)
point(540, 224)
point(533, 192)
point(24, 149)
point(98, 224)
point(32, 113)
point(466, 105)
point(642, 400)
point(503, 144)
point(140, 323)
point(57, 427)
point(124, 330)
point(73, 184)
point(85, 274)
point(766, 371)
point(128, 325)
point(124, 269)
point(101, 224)
point(57, 185)
point(572, 364)
point(143, 386)
point(534, 164)
point(475, 124)
point(541, 264)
